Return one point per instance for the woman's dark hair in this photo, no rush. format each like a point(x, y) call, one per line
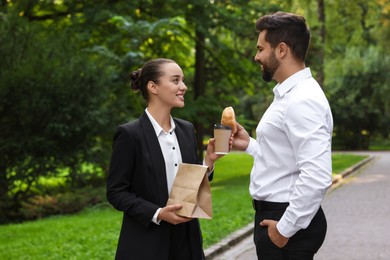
point(288, 28)
point(150, 71)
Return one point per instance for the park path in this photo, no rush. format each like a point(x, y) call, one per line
point(358, 213)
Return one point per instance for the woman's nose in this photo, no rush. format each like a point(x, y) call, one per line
point(183, 86)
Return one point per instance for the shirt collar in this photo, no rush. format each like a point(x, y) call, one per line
point(157, 128)
point(290, 82)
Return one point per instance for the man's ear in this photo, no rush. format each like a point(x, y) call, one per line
point(152, 87)
point(283, 49)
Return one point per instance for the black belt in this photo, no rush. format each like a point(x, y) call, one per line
point(269, 206)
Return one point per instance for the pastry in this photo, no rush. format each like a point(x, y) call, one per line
point(229, 119)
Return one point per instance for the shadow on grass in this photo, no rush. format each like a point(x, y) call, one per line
point(234, 181)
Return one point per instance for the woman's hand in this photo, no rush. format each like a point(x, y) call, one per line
point(168, 214)
point(211, 156)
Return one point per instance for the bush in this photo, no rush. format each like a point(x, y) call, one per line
point(55, 109)
point(62, 203)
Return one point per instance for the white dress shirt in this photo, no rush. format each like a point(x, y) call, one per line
point(292, 151)
point(170, 150)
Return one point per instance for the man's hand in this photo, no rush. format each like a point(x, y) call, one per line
point(168, 214)
point(241, 138)
point(273, 233)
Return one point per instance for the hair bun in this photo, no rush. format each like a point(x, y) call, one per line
point(135, 77)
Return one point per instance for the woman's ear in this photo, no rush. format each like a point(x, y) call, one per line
point(152, 87)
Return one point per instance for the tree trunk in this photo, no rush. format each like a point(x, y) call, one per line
point(321, 18)
point(199, 84)
point(4, 199)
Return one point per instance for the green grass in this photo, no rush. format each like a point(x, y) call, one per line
point(93, 233)
point(341, 161)
point(380, 144)
point(232, 206)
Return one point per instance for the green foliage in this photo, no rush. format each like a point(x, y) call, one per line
point(356, 71)
point(41, 206)
point(362, 85)
point(54, 107)
point(380, 144)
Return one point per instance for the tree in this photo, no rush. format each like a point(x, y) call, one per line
point(53, 108)
point(356, 72)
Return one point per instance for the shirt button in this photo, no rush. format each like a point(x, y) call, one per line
point(175, 164)
point(173, 148)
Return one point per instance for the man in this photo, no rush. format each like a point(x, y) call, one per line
point(292, 151)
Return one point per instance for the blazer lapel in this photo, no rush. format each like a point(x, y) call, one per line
point(157, 159)
point(186, 143)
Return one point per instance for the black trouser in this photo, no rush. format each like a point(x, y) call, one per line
point(301, 246)
point(180, 242)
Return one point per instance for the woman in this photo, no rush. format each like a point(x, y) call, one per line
point(145, 157)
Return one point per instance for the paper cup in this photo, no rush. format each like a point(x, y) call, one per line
point(222, 135)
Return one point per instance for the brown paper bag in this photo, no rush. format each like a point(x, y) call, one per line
point(191, 189)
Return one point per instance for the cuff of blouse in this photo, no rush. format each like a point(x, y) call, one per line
point(154, 219)
point(209, 170)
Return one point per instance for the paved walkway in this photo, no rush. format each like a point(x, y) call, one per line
point(358, 213)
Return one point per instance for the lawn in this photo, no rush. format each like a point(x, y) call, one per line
point(341, 161)
point(232, 205)
point(380, 144)
point(93, 233)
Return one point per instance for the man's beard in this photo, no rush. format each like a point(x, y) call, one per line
point(270, 67)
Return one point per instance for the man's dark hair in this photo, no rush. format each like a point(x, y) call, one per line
point(288, 28)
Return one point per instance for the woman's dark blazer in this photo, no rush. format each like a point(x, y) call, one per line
point(137, 185)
